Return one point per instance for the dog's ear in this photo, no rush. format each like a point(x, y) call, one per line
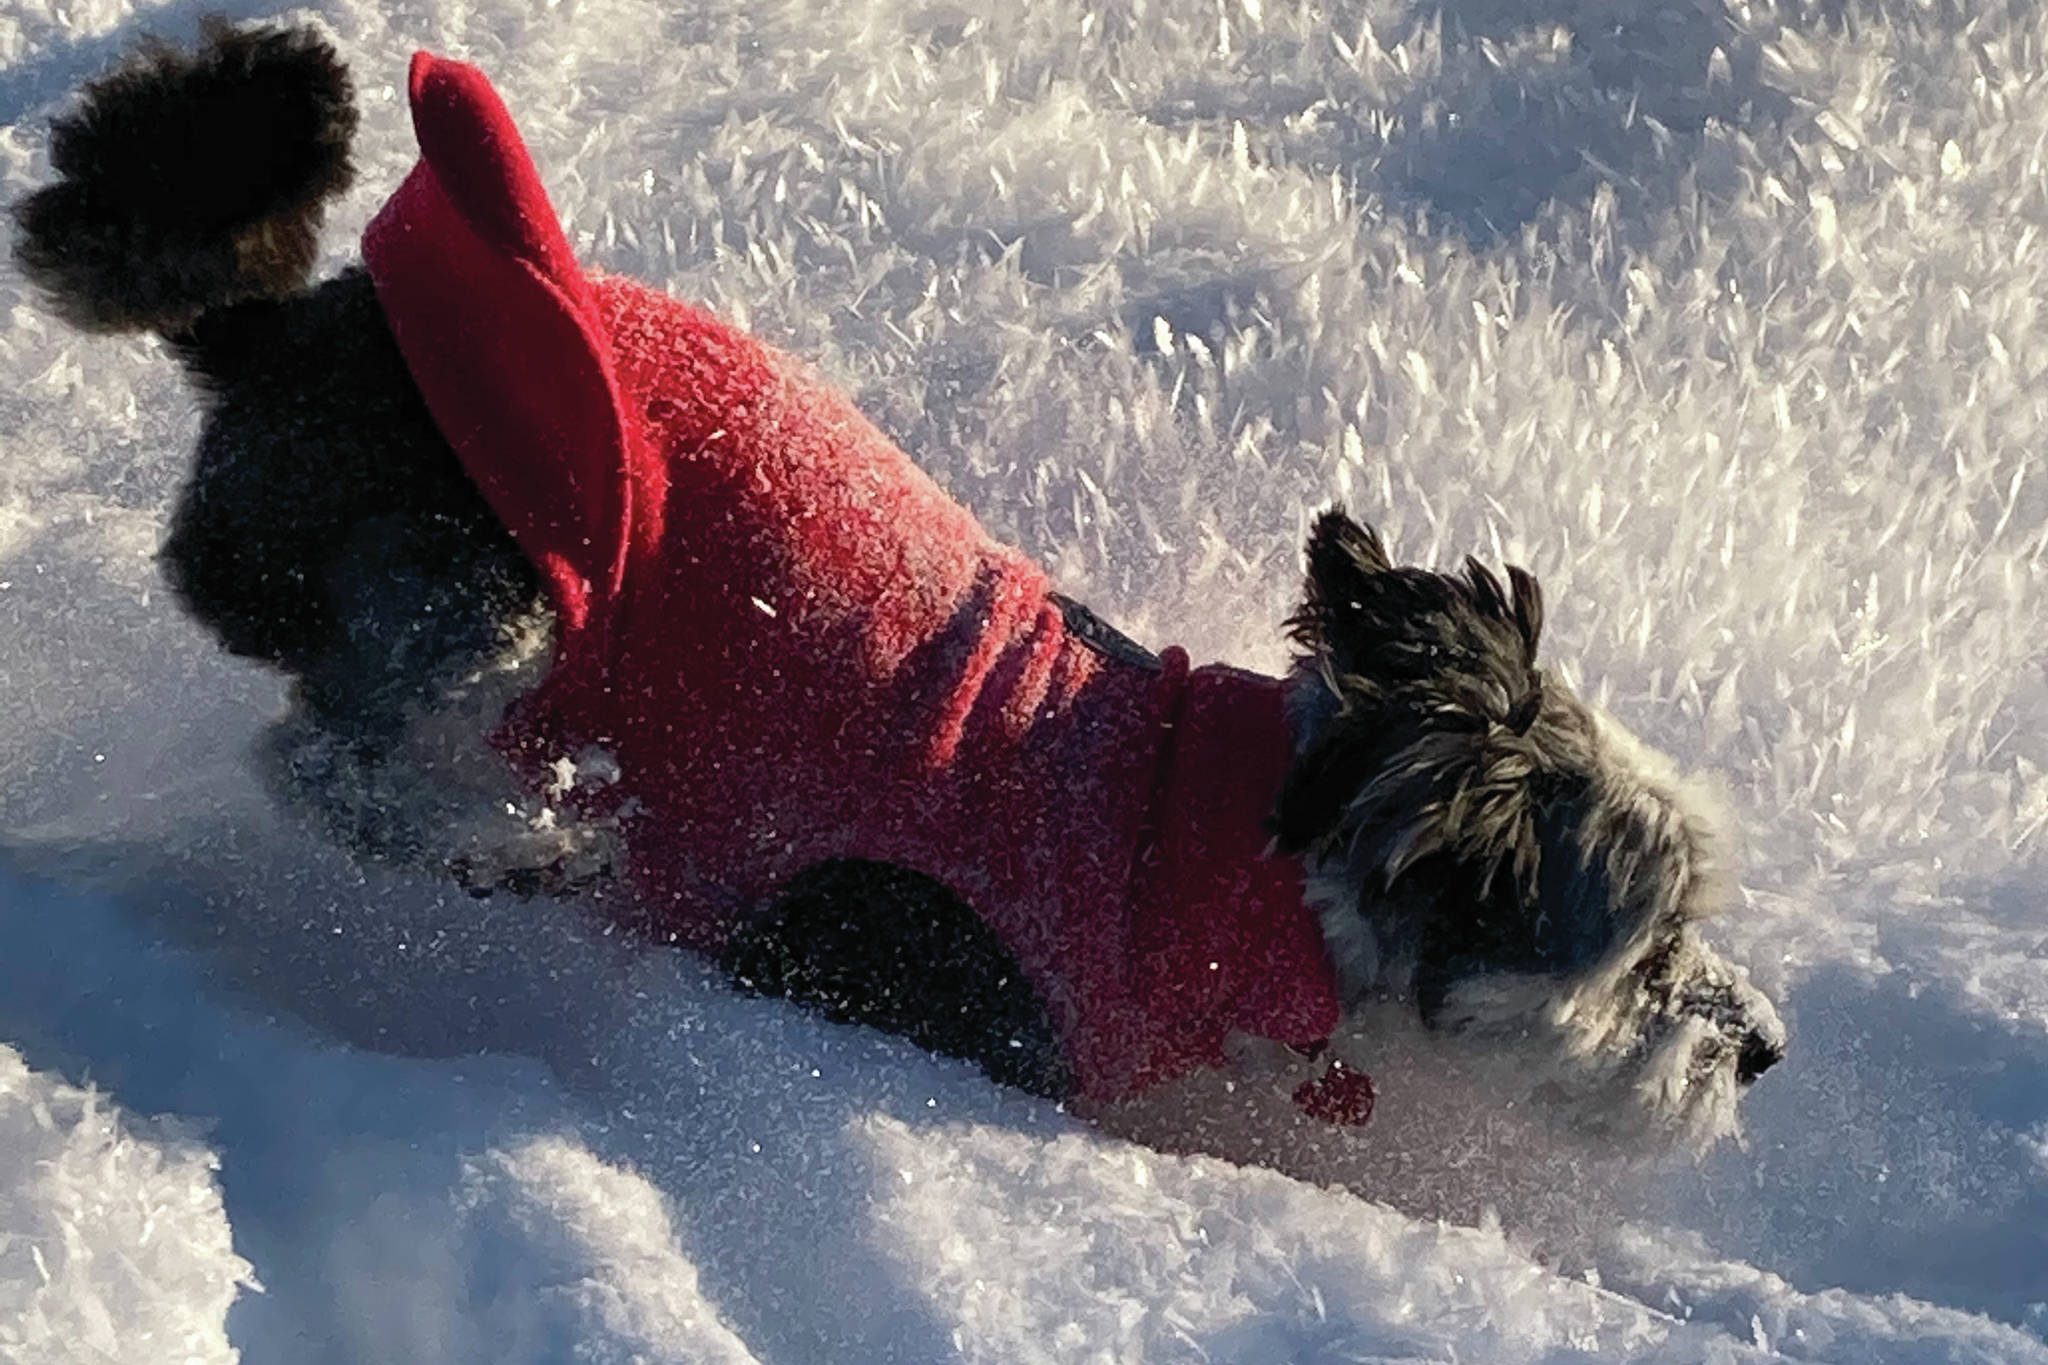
point(191, 180)
point(1343, 553)
point(1520, 607)
point(1347, 563)
point(1460, 649)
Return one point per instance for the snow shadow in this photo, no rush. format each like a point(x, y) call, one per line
point(335, 1168)
point(1897, 1149)
point(380, 1040)
point(1521, 117)
point(62, 59)
point(1441, 1148)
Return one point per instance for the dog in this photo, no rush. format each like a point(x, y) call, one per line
point(583, 593)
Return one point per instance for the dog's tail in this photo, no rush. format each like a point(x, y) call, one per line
point(190, 180)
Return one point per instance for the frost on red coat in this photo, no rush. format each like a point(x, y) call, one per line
point(799, 648)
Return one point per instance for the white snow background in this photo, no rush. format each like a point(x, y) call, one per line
point(1726, 319)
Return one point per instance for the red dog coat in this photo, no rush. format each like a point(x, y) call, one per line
point(799, 648)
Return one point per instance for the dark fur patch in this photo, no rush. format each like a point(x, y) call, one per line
point(191, 180)
point(327, 527)
point(871, 943)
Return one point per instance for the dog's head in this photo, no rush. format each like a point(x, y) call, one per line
point(1483, 843)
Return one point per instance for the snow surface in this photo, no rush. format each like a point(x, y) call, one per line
point(1721, 318)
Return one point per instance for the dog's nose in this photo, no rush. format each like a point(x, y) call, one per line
point(1759, 1054)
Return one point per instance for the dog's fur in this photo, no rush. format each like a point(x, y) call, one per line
point(1478, 842)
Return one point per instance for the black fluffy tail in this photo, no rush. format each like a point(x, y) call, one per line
point(191, 180)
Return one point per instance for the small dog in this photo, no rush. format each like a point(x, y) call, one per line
point(581, 591)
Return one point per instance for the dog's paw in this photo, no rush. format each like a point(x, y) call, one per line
point(557, 863)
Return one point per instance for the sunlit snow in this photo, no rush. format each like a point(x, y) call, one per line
point(1721, 317)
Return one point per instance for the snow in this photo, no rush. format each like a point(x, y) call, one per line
point(1721, 317)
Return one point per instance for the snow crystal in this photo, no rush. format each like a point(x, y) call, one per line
point(113, 1242)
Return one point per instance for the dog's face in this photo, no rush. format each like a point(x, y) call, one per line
point(1482, 843)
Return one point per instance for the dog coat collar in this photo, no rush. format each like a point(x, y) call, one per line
point(797, 647)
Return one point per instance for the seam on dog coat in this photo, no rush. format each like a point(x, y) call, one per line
point(798, 647)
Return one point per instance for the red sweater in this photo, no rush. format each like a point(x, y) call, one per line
point(799, 648)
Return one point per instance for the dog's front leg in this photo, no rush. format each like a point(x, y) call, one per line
point(872, 943)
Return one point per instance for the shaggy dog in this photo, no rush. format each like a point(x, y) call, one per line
point(581, 591)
